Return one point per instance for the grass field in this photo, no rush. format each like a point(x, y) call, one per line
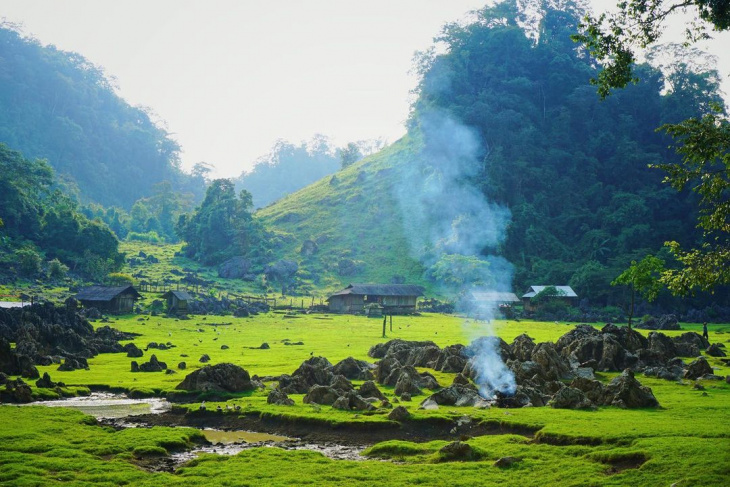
point(686, 442)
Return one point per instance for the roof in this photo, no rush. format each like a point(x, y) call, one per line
point(495, 297)
point(566, 291)
point(14, 304)
point(181, 295)
point(381, 290)
point(102, 293)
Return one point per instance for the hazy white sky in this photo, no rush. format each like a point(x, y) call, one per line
point(230, 77)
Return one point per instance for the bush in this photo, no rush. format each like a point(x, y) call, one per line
point(29, 262)
point(57, 269)
point(150, 237)
point(119, 279)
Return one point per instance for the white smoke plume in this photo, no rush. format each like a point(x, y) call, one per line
point(455, 232)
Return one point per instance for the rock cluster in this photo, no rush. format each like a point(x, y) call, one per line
point(45, 334)
point(223, 377)
point(327, 384)
point(541, 370)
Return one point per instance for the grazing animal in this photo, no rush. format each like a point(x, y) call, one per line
point(219, 409)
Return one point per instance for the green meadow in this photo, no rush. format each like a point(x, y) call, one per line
point(685, 443)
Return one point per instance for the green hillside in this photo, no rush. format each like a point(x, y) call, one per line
point(565, 191)
point(58, 106)
point(354, 222)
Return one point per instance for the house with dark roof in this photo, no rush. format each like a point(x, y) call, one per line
point(177, 301)
point(393, 298)
point(119, 299)
point(563, 293)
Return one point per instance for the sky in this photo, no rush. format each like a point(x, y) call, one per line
point(228, 78)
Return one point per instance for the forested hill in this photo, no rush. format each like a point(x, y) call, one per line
point(56, 105)
point(570, 170)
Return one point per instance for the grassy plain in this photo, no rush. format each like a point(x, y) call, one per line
point(686, 442)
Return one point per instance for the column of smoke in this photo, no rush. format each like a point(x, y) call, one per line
point(445, 214)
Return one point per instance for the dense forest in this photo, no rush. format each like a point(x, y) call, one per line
point(572, 169)
point(58, 106)
point(43, 231)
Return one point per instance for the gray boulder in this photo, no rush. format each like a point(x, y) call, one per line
point(279, 398)
point(626, 392)
point(570, 398)
point(455, 395)
point(235, 268)
point(324, 395)
point(714, 350)
point(697, 368)
point(223, 377)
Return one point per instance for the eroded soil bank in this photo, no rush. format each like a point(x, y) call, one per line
point(355, 434)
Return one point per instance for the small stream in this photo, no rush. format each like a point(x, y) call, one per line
point(113, 408)
point(106, 405)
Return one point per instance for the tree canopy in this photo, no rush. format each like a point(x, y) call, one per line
point(572, 170)
point(702, 141)
point(58, 106)
point(39, 217)
point(222, 226)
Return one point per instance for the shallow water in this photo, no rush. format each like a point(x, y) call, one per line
point(218, 437)
point(105, 405)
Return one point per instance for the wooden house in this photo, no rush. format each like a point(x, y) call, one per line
point(565, 294)
point(177, 301)
point(118, 299)
point(394, 298)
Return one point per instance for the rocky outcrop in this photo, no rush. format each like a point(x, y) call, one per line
point(698, 368)
point(153, 365)
point(715, 350)
point(455, 395)
point(354, 369)
point(279, 398)
point(43, 331)
point(218, 378)
point(237, 268)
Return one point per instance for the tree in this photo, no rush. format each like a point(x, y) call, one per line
point(613, 39)
point(703, 142)
point(705, 146)
point(643, 278)
point(349, 155)
point(222, 226)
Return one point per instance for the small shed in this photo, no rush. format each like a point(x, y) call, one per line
point(177, 301)
point(565, 294)
point(394, 298)
point(119, 299)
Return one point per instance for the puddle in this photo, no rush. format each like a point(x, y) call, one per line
point(333, 451)
point(218, 437)
point(105, 405)
point(234, 442)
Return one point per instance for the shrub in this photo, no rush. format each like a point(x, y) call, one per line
point(119, 279)
point(150, 237)
point(57, 269)
point(29, 262)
